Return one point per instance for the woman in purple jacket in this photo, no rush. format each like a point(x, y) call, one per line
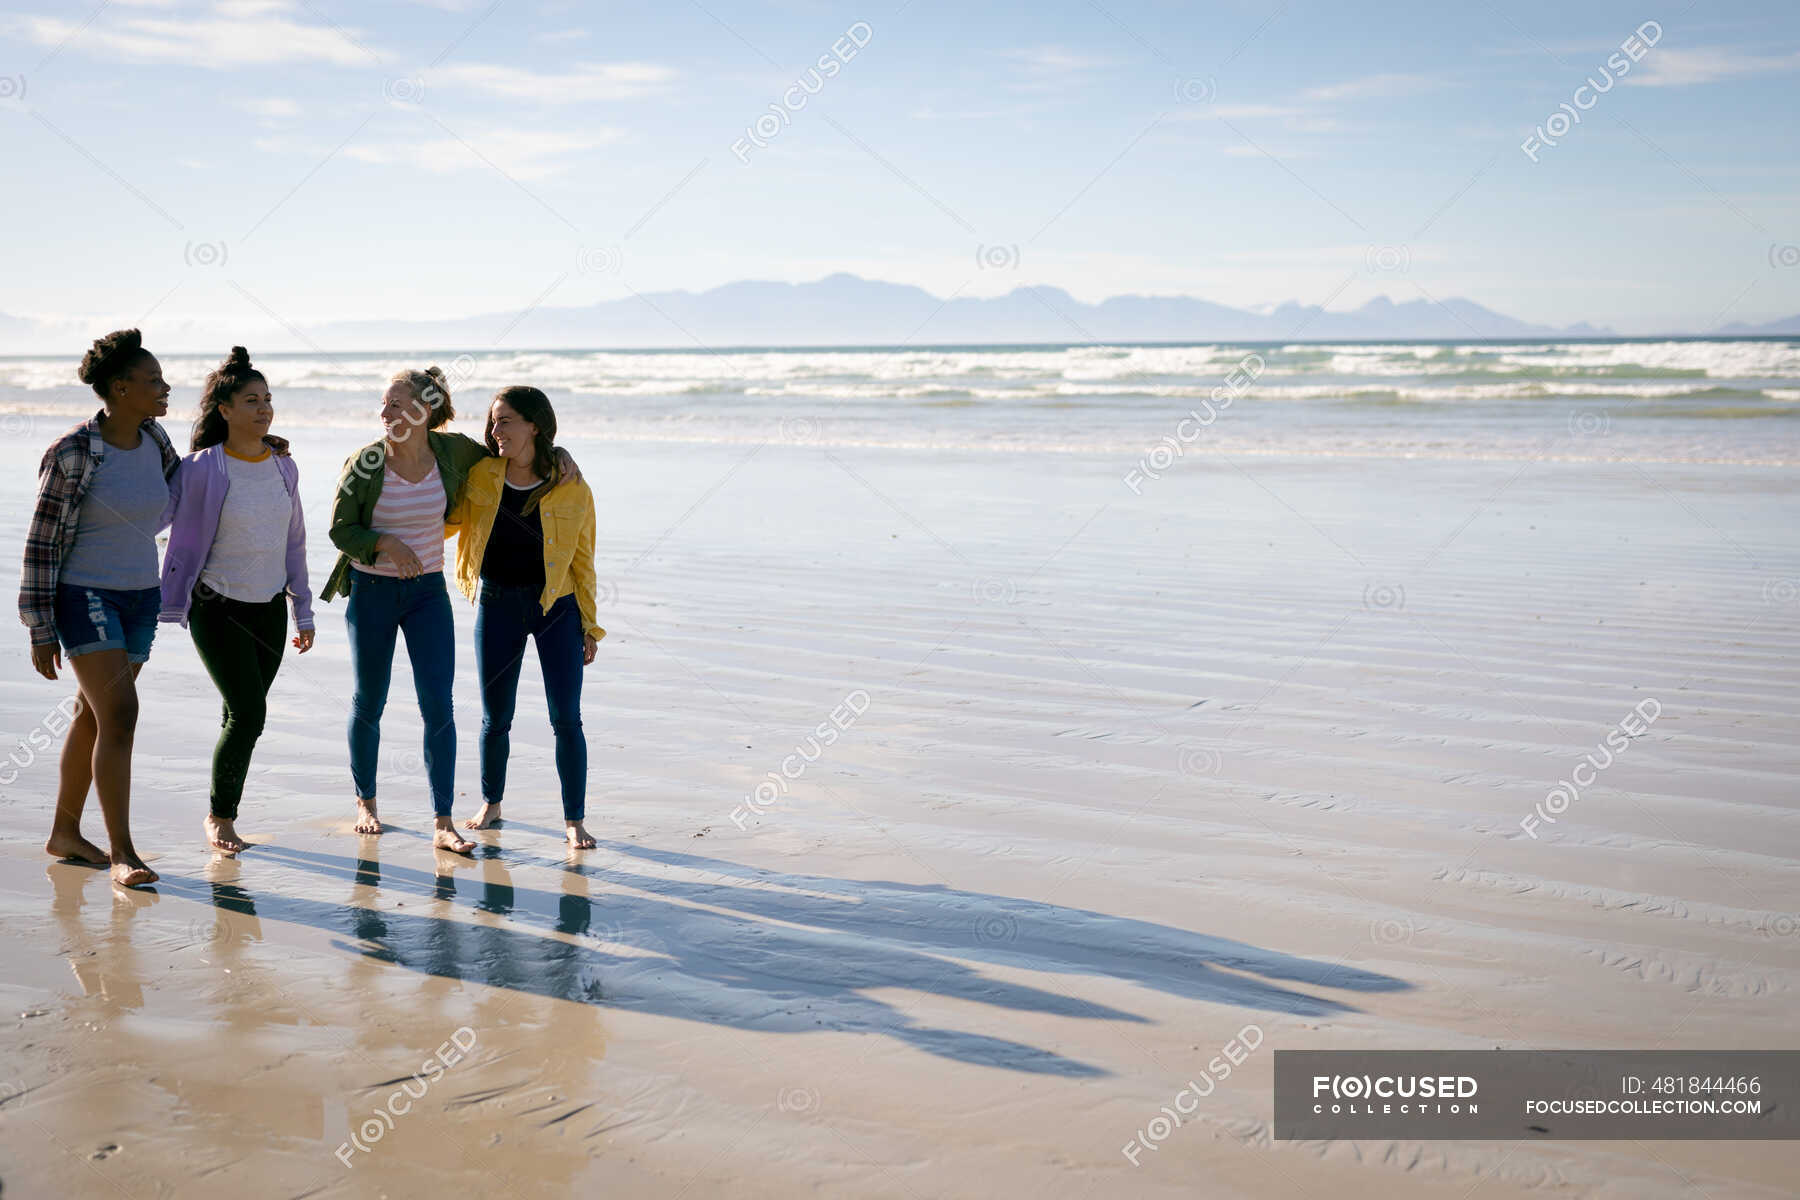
point(236, 549)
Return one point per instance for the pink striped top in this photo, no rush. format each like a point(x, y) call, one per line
point(414, 513)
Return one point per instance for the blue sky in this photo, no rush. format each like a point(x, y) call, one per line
point(320, 159)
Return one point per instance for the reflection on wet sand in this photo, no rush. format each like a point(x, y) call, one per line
point(774, 954)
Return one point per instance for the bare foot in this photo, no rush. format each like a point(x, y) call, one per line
point(72, 847)
point(446, 838)
point(487, 818)
point(366, 820)
point(579, 837)
point(221, 832)
point(132, 873)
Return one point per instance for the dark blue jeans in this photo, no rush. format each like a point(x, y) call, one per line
point(505, 617)
point(381, 608)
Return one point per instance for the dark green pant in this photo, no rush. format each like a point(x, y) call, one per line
point(241, 645)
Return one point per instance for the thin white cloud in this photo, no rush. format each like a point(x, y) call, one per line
point(272, 108)
point(588, 81)
point(521, 153)
point(1056, 59)
point(561, 35)
point(1242, 112)
point(1705, 64)
point(237, 33)
point(1373, 86)
point(1051, 68)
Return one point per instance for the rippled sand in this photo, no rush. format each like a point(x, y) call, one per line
point(1134, 772)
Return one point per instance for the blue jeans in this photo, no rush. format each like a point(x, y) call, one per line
point(381, 608)
point(505, 617)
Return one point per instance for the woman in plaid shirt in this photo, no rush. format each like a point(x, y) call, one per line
point(90, 582)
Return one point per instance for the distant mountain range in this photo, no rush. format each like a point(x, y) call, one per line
point(1787, 326)
point(839, 310)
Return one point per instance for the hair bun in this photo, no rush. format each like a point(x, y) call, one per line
point(436, 372)
point(237, 360)
point(104, 358)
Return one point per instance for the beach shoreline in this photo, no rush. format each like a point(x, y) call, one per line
point(1136, 771)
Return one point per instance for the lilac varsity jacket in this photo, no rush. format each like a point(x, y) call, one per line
point(196, 494)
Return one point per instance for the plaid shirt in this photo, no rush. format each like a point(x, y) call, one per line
point(63, 481)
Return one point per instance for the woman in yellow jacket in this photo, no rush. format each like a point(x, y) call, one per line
point(525, 555)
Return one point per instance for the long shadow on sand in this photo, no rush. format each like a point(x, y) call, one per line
point(769, 951)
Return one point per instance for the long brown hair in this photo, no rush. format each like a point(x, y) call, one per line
point(533, 406)
point(224, 382)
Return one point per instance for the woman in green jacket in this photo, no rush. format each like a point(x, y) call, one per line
point(388, 522)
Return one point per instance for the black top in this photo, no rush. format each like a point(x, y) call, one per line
point(515, 550)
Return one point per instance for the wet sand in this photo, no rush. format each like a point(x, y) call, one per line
point(1130, 774)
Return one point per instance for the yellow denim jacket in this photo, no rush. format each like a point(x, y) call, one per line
point(568, 517)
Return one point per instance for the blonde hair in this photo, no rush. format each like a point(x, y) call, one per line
point(430, 388)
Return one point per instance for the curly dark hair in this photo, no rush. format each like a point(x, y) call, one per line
point(110, 357)
point(534, 406)
point(222, 384)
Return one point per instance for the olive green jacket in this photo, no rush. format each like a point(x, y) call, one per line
point(359, 487)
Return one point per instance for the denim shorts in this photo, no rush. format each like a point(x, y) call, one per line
point(91, 619)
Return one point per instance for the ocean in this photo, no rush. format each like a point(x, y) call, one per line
point(1674, 400)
